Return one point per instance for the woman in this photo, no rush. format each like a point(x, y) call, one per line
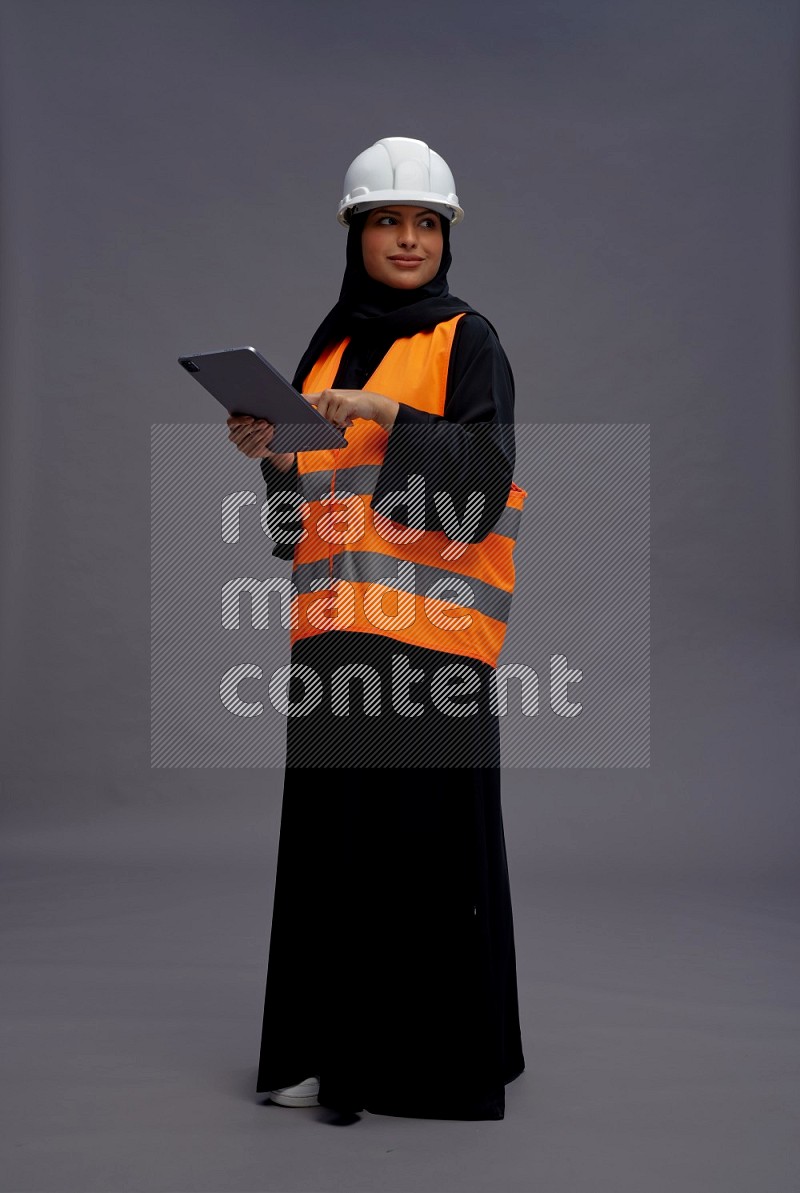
point(391, 983)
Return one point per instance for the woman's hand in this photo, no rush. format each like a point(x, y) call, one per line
point(341, 406)
point(253, 435)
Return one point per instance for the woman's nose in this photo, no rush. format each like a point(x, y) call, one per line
point(407, 235)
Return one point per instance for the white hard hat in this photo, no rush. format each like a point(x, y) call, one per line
point(399, 170)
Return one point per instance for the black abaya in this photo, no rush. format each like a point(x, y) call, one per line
point(392, 971)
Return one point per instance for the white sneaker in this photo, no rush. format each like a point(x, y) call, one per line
point(303, 1094)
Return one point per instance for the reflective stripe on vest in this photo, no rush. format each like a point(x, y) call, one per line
point(352, 569)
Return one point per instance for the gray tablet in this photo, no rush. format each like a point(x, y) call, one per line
point(245, 383)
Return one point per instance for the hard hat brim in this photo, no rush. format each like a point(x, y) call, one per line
point(451, 211)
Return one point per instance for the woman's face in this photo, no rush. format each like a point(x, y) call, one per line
point(402, 245)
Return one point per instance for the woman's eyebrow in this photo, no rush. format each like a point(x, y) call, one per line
point(394, 211)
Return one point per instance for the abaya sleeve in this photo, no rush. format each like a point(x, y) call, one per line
point(281, 493)
point(467, 450)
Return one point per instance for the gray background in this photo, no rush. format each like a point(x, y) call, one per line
point(170, 174)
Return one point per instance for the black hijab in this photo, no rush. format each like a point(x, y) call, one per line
point(374, 315)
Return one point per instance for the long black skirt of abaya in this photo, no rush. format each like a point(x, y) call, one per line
point(392, 970)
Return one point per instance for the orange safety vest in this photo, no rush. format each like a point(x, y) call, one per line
point(357, 570)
